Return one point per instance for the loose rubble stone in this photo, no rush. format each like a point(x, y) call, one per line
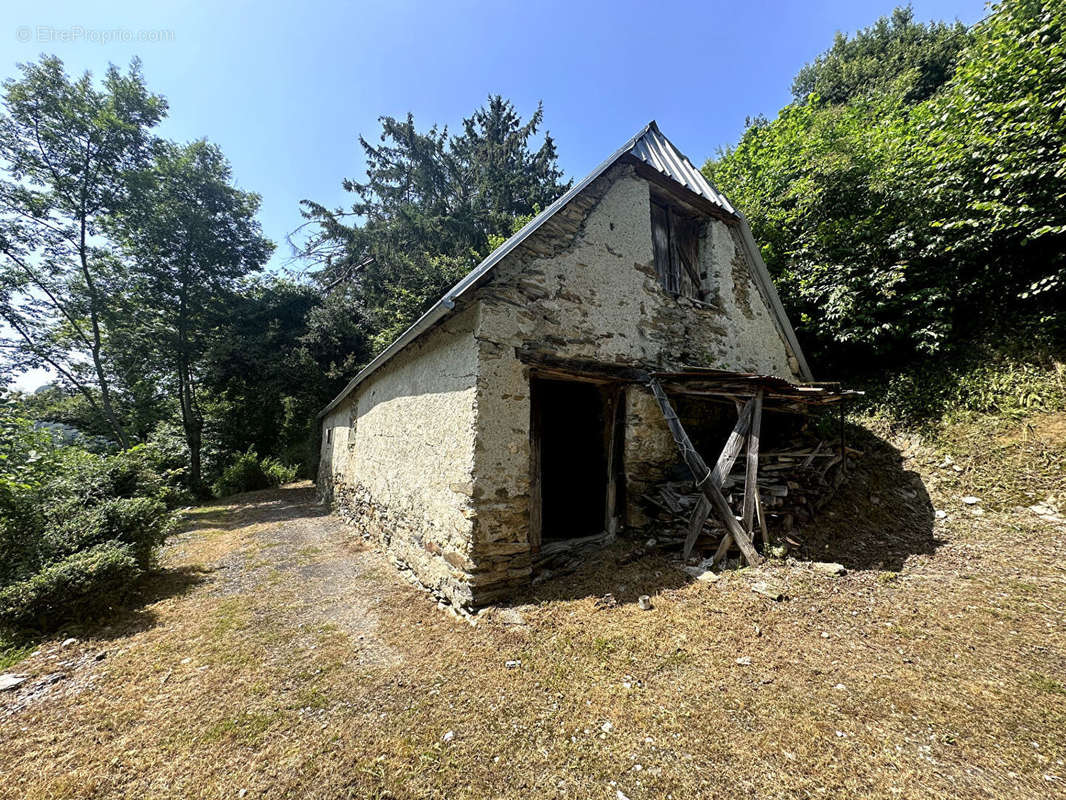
point(510, 616)
point(448, 736)
point(10, 681)
point(768, 589)
point(513, 664)
point(971, 501)
point(744, 661)
point(941, 513)
point(607, 601)
point(828, 568)
point(705, 574)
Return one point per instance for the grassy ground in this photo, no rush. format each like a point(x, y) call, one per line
point(276, 658)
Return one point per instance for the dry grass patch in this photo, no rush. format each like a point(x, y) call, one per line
point(304, 667)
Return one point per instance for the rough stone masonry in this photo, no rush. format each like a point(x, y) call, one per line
point(430, 455)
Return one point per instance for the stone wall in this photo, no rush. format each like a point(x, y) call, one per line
point(585, 288)
point(397, 461)
point(431, 454)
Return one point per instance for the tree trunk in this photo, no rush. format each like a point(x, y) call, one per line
point(191, 418)
point(96, 346)
point(192, 423)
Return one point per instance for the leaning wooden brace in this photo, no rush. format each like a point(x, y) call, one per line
point(702, 475)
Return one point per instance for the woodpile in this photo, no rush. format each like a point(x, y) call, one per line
point(795, 480)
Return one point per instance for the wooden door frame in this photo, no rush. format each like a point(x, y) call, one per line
point(613, 398)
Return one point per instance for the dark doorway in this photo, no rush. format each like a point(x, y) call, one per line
point(570, 461)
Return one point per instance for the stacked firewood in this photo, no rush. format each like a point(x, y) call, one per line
point(795, 481)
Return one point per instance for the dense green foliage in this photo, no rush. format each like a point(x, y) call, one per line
point(86, 582)
point(428, 212)
point(75, 527)
point(919, 204)
point(248, 472)
point(188, 237)
point(895, 54)
point(68, 148)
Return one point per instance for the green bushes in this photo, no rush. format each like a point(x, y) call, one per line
point(85, 582)
point(247, 473)
point(918, 203)
point(76, 528)
point(983, 381)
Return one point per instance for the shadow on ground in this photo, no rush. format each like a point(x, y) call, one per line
point(281, 504)
point(879, 517)
point(132, 614)
point(612, 571)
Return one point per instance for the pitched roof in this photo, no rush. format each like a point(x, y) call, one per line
point(650, 146)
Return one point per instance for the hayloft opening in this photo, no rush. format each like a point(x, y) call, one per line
point(675, 239)
point(570, 440)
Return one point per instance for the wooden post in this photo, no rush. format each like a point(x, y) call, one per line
point(762, 524)
point(721, 469)
point(702, 473)
point(751, 484)
point(751, 475)
point(536, 510)
point(611, 411)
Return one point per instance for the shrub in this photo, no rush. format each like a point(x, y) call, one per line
point(85, 582)
point(142, 523)
point(984, 382)
point(248, 473)
point(75, 526)
point(278, 472)
point(244, 474)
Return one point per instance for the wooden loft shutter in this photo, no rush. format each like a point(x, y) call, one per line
point(675, 241)
point(685, 238)
point(664, 258)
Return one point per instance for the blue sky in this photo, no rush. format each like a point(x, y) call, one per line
point(286, 88)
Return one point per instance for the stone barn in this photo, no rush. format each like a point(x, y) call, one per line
point(506, 422)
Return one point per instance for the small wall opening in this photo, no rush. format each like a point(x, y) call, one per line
point(571, 440)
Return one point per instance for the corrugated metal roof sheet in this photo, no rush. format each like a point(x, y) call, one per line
point(657, 151)
point(650, 146)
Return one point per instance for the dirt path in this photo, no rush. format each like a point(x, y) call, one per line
point(292, 548)
point(277, 657)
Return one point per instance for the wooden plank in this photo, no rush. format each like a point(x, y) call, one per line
point(751, 478)
point(752, 475)
point(535, 494)
point(702, 473)
point(660, 239)
point(813, 454)
point(695, 525)
point(762, 523)
point(722, 468)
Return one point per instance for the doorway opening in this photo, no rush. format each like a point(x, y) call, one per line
point(572, 429)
